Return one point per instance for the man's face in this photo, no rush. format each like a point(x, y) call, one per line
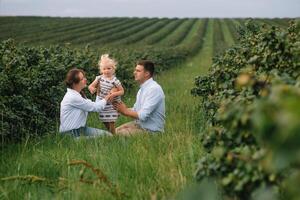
point(140, 75)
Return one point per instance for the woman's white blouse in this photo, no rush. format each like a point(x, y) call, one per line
point(74, 110)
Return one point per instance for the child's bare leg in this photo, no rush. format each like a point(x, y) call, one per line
point(106, 125)
point(112, 127)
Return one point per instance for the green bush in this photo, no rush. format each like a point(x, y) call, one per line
point(236, 96)
point(32, 86)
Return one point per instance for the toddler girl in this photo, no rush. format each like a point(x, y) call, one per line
point(107, 84)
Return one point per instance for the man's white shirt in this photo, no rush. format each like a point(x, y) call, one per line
point(150, 106)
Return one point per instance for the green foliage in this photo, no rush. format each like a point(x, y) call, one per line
point(161, 34)
point(276, 120)
point(32, 86)
point(219, 39)
point(251, 92)
point(277, 129)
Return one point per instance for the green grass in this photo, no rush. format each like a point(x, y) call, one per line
point(141, 167)
point(229, 39)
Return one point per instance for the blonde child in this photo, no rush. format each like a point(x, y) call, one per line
point(107, 84)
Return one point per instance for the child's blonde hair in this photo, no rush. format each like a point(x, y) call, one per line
point(106, 60)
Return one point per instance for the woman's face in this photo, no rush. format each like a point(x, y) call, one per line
point(83, 81)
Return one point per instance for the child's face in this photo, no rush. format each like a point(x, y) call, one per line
point(107, 70)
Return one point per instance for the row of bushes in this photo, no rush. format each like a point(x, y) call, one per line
point(251, 101)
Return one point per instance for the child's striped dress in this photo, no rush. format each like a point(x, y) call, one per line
point(108, 114)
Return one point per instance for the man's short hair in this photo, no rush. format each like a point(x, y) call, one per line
point(148, 66)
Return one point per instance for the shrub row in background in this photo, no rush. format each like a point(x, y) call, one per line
point(251, 101)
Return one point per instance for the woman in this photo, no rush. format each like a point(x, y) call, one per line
point(75, 106)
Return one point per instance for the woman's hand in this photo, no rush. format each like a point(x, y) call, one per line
point(111, 96)
point(93, 86)
point(107, 98)
point(92, 89)
point(122, 108)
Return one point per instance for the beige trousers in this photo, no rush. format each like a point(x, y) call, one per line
point(129, 128)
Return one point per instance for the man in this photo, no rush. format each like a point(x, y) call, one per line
point(149, 108)
point(75, 106)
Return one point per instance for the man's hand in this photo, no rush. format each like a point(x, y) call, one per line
point(120, 107)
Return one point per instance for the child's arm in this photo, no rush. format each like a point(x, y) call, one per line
point(93, 86)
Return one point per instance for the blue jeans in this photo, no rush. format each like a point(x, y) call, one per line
point(87, 131)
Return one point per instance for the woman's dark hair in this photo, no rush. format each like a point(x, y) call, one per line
point(148, 66)
point(73, 78)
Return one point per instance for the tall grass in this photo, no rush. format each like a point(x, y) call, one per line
point(139, 167)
